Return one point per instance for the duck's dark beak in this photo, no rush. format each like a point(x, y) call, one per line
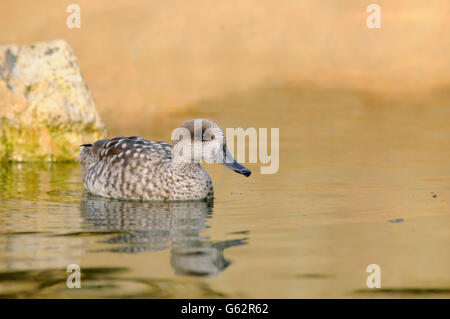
point(238, 168)
point(231, 163)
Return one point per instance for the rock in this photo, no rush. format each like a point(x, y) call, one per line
point(46, 108)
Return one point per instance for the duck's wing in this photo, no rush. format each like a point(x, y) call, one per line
point(132, 147)
point(122, 150)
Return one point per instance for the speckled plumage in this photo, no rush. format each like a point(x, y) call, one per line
point(138, 169)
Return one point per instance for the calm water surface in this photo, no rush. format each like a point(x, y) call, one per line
point(361, 181)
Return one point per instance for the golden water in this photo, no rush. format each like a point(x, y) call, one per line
point(362, 180)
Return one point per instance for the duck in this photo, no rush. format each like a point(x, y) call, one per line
point(133, 168)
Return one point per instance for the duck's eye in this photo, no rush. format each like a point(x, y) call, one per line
point(213, 137)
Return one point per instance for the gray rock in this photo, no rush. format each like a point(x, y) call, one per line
point(46, 108)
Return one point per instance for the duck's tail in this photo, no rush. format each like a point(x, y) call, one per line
point(87, 159)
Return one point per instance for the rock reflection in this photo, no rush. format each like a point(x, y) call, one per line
point(146, 226)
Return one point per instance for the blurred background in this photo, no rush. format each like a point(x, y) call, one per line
point(155, 57)
point(364, 160)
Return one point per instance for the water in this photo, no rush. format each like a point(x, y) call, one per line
point(362, 180)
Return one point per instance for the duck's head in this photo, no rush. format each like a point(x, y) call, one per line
point(202, 139)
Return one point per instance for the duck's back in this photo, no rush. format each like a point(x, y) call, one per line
point(125, 167)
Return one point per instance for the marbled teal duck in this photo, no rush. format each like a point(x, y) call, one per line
point(138, 169)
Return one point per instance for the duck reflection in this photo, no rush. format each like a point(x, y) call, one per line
point(144, 226)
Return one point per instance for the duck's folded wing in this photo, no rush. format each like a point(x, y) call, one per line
point(125, 166)
point(128, 149)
